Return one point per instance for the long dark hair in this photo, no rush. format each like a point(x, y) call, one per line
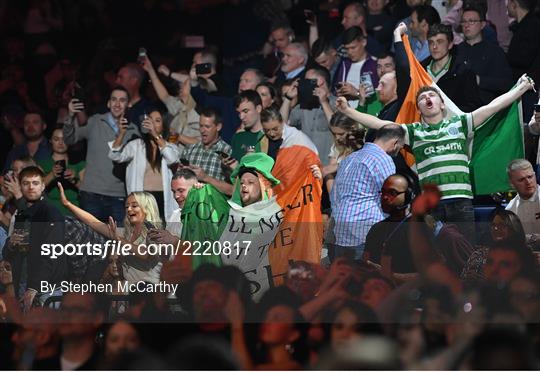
point(155, 163)
point(273, 93)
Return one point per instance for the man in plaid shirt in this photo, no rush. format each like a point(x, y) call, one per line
point(204, 157)
point(356, 204)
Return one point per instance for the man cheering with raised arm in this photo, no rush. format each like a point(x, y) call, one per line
point(440, 147)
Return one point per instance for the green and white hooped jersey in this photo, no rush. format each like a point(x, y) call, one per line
point(441, 152)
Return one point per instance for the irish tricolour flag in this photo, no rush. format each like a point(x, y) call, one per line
point(498, 141)
point(286, 225)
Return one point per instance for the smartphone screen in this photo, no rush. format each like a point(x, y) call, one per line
point(203, 68)
point(78, 92)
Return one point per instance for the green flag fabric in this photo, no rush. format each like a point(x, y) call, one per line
point(204, 218)
point(496, 143)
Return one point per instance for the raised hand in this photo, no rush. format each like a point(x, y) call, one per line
point(427, 200)
point(113, 229)
point(63, 199)
point(292, 92)
point(147, 64)
point(148, 124)
point(341, 104)
point(12, 185)
point(526, 81)
point(123, 125)
point(401, 28)
point(75, 106)
point(164, 70)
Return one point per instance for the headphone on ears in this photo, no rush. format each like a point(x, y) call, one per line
point(410, 194)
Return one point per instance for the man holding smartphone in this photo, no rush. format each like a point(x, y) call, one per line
point(203, 72)
point(102, 191)
point(312, 120)
point(359, 68)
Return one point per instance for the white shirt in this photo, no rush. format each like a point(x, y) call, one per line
point(174, 225)
point(353, 77)
point(528, 211)
point(134, 153)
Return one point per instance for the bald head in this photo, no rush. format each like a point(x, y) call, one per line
point(354, 15)
point(387, 88)
point(393, 192)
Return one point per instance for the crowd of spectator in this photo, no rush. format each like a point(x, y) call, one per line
point(114, 114)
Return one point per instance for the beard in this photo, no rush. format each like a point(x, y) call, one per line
point(34, 136)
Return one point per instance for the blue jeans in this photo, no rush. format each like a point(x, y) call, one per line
point(103, 206)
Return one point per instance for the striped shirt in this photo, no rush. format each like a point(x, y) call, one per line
point(441, 152)
point(356, 204)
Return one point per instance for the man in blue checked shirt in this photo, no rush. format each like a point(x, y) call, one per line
point(355, 197)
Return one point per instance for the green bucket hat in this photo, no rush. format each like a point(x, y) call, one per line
point(259, 161)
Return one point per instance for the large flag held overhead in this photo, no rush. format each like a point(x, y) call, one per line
point(498, 141)
point(286, 225)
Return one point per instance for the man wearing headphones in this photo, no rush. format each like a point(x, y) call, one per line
point(390, 237)
point(387, 242)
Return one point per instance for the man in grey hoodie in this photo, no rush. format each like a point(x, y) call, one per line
point(102, 192)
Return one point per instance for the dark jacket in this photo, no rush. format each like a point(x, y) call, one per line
point(459, 84)
point(281, 77)
point(489, 62)
point(46, 225)
point(370, 67)
point(524, 50)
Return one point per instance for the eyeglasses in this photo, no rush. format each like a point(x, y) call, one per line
point(470, 21)
point(391, 192)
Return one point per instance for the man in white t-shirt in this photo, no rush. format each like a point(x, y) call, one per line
point(526, 204)
point(358, 72)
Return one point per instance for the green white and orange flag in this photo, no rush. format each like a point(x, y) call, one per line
point(498, 141)
point(286, 225)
